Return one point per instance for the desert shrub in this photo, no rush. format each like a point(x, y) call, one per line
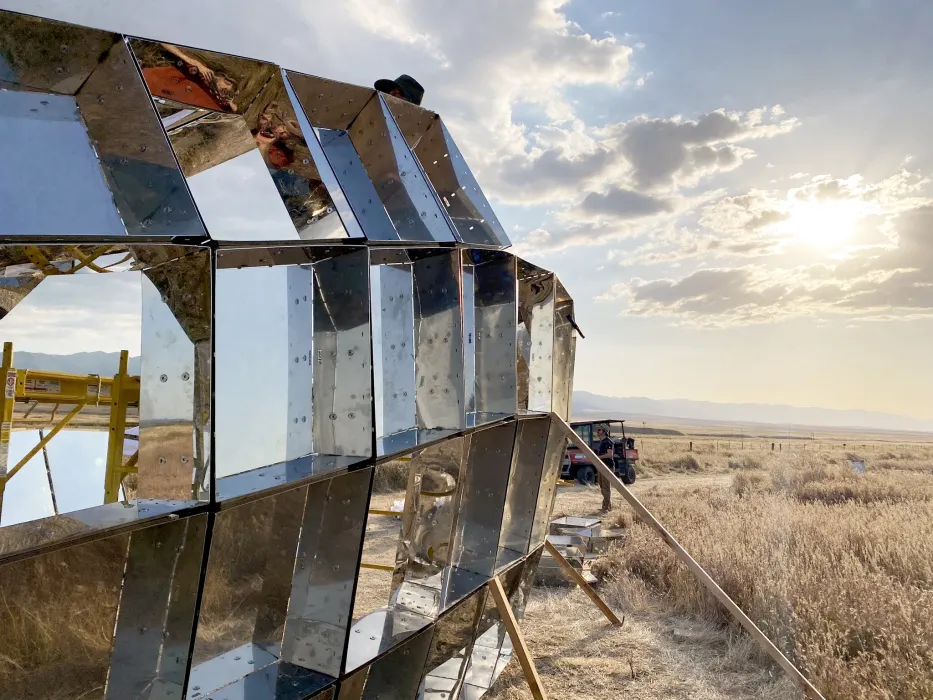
point(684, 463)
point(745, 462)
point(836, 568)
point(391, 476)
point(745, 483)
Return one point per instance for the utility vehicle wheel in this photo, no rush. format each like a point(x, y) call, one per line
point(586, 475)
point(628, 475)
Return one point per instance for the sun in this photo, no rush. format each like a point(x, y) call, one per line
point(825, 224)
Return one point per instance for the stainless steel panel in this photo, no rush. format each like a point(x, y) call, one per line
point(343, 397)
point(156, 616)
point(564, 348)
point(438, 342)
point(410, 439)
point(380, 631)
point(468, 300)
point(452, 645)
point(449, 174)
point(431, 504)
point(476, 542)
point(277, 681)
point(413, 120)
point(299, 416)
point(397, 176)
point(114, 172)
point(322, 585)
point(396, 676)
point(328, 103)
point(252, 363)
point(495, 319)
point(554, 455)
point(521, 499)
point(56, 639)
point(393, 333)
point(246, 588)
point(536, 316)
point(359, 190)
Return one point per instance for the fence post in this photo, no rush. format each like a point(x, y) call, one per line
point(691, 445)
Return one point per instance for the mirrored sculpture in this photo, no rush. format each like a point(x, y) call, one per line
point(277, 401)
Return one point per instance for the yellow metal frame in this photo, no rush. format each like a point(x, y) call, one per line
point(38, 387)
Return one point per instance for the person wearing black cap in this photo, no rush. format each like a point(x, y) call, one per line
point(404, 87)
point(604, 450)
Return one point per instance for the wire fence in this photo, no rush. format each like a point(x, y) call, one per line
point(648, 445)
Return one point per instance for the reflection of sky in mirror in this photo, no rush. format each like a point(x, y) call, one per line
point(251, 368)
point(70, 197)
point(77, 313)
point(238, 201)
point(77, 461)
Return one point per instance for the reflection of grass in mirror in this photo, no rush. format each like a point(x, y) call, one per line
point(56, 619)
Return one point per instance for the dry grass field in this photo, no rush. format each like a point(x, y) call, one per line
point(835, 566)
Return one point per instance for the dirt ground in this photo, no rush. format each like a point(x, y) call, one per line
point(654, 654)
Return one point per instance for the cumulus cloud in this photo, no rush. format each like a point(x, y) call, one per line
point(620, 203)
point(882, 282)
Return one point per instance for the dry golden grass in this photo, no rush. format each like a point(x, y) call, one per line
point(836, 567)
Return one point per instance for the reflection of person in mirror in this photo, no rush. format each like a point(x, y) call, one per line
point(277, 137)
point(177, 75)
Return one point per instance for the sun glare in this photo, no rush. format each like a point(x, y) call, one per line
point(824, 224)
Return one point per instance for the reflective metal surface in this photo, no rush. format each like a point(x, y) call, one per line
point(456, 187)
point(395, 676)
point(56, 639)
point(76, 91)
point(553, 456)
point(495, 321)
point(325, 570)
point(565, 339)
point(247, 588)
point(343, 400)
point(190, 428)
point(535, 337)
point(521, 498)
point(397, 176)
point(157, 610)
point(479, 520)
point(438, 342)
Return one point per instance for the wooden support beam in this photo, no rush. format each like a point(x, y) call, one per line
point(518, 640)
point(809, 690)
point(578, 579)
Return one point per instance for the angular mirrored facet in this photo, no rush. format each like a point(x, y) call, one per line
point(492, 323)
point(77, 91)
point(77, 319)
point(396, 676)
point(531, 441)
point(277, 681)
point(457, 188)
point(240, 144)
point(413, 120)
point(293, 337)
point(56, 638)
point(451, 647)
point(246, 589)
point(438, 342)
point(325, 571)
point(553, 456)
point(156, 616)
point(476, 541)
point(397, 175)
point(565, 339)
point(535, 337)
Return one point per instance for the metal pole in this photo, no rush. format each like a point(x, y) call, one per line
point(766, 644)
point(48, 473)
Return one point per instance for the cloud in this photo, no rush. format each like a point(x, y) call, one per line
point(620, 203)
point(874, 283)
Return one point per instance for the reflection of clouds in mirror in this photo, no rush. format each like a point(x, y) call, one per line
point(76, 459)
point(238, 201)
point(251, 368)
point(78, 313)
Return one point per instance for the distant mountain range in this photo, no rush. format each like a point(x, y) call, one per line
point(640, 408)
point(102, 363)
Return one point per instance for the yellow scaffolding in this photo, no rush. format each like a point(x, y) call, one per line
point(35, 387)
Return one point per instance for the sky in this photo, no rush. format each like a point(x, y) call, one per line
point(736, 194)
